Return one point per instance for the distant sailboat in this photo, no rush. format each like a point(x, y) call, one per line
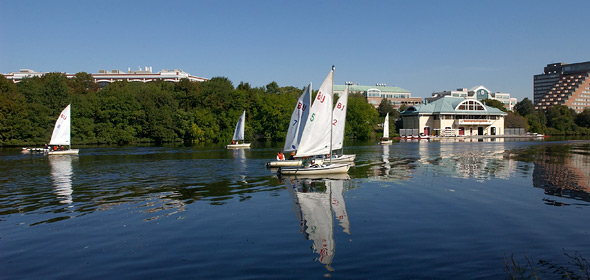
point(239, 134)
point(385, 139)
point(60, 138)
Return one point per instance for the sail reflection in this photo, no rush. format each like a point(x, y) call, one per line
point(316, 203)
point(61, 173)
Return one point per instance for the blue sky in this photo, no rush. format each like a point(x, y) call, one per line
point(421, 46)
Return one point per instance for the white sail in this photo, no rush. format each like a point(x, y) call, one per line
point(315, 139)
point(386, 126)
point(339, 120)
point(61, 130)
point(239, 132)
point(298, 120)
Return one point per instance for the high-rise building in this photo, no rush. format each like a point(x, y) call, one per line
point(563, 84)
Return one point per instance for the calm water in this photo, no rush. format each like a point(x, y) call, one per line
point(408, 210)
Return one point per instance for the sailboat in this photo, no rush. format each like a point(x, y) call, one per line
point(60, 138)
point(239, 134)
point(317, 134)
point(296, 126)
point(385, 139)
point(338, 125)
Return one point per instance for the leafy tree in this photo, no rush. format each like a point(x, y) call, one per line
point(583, 119)
point(83, 83)
point(272, 88)
point(361, 117)
point(514, 120)
point(495, 103)
point(525, 107)
point(561, 118)
point(385, 107)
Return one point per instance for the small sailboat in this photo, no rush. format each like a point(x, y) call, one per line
point(239, 134)
point(338, 125)
point(385, 139)
point(60, 138)
point(296, 126)
point(317, 134)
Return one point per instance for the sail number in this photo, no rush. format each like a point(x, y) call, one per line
point(321, 97)
point(340, 106)
point(63, 116)
point(301, 106)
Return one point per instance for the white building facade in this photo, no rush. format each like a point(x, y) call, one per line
point(478, 93)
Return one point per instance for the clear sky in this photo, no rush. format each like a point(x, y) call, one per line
point(421, 46)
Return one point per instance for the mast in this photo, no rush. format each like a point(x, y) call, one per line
point(332, 115)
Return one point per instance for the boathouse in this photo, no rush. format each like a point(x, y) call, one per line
point(454, 116)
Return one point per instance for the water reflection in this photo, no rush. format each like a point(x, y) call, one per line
point(61, 173)
point(563, 171)
point(316, 202)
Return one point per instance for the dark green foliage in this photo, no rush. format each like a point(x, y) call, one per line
point(525, 107)
point(496, 104)
point(132, 112)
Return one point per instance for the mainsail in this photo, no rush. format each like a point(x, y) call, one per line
point(298, 120)
point(239, 132)
point(61, 130)
point(339, 120)
point(386, 126)
point(315, 139)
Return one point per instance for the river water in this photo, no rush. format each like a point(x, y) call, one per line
point(452, 210)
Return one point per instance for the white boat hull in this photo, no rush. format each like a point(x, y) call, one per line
point(386, 142)
point(316, 169)
point(342, 158)
point(65, 152)
point(238, 146)
point(284, 163)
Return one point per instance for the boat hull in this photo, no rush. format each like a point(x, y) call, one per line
point(342, 158)
point(316, 170)
point(385, 142)
point(65, 152)
point(238, 146)
point(284, 163)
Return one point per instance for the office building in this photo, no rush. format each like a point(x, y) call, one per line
point(563, 84)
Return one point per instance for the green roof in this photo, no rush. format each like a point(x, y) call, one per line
point(357, 88)
point(447, 105)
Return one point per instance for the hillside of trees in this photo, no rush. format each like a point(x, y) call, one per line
point(135, 112)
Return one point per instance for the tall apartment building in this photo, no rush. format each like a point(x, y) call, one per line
point(479, 93)
point(396, 96)
point(563, 84)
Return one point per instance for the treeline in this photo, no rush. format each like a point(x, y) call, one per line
point(134, 112)
point(557, 120)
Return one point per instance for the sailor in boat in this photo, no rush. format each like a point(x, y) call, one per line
point(292, 157)
point(280, 156)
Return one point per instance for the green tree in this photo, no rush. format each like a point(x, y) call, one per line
point(361, 118)
point(561, 118)
point(385, 107)
point(583, 119)
point(525, 107)
point(272, 88)
point(495, 103)
point(513, 120)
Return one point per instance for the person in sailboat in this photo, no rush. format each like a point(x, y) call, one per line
point(280, 156)
point(292, 157)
